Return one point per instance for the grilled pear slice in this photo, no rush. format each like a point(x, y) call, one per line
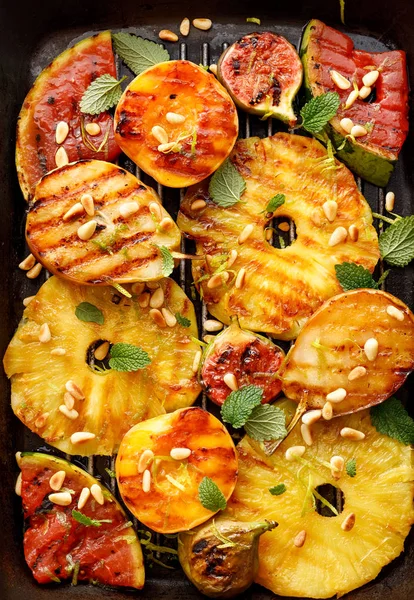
point(360, 342)
point(107, 403)
point(130, 225)
point(279, 289)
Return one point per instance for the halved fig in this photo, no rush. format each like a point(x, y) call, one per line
point(54, 98)
point(57, 546)
point(360, 342)
point(162, 462)
point(251, 358)
point(128, 221)
point(176, 122)
point(262, 73)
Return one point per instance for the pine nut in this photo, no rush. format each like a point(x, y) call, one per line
point(157, 298)
point(60, 498)
point(370, 78)
point(337, 464)
point(306, 432)
point(348, 523)
point(327, 411)
point(284, 226)
point(310, 417)
point(231, 381)
point(97, 493)
point(371, 349)
point(44, 334)
point(336, 396)
point(152, 285)
point(93, 128)
point(269, 234)
point(18, 486)
point(353, 96)
point(160, 134)
point(180, 453)
point(196, 361)
point(144, 300)
point(294, 452)
point(168, 36)
point(218, 280)
point(241, 276)
point(316, 218)
point(101, 351)
point(86, 231)
point(70, 414)
point(157, 317)
point(174, 118)
point(212, 325)
point(198, 205)
point(300, 539)
point(338, 236)
point(75, 390)
point(81, 436)
point(364, 92)
point(74, 211)
point(61, 133)
point(246, 233)
point(146, 481)
point(352, 434)
point(28, 263)
point(18, 456)
point(213, 69)
point(389, 201)
point(232, 258)
point(61, 157)
point(203, 24)
point(339, 80)
point(330, 208)
point(185, 27)
point(166, 224)
point(353, 233)
point(83, 497)
point(346, 124)
point(34, 272)
point(169, 317)
point(88, 204)
point(357, 373)
point(138, 287)
point(155, 210)
point(56, 481)
point(145, 459)
point(41, 421)
point(58, 352)
point(69, 400)
point(358, 131)
point(394, 312)
point(168, 147)
point(27, 300)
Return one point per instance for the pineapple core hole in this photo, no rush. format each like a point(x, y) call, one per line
point(332, 496)
point(280, 232)
point(96, 363)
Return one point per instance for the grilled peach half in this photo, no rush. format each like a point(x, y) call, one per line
point(354, 352)
point(162, 461)
point(176, 122)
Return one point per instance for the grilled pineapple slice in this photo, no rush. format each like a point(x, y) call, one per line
point(333, 559)
point(162, 489)
point(130, 225)
point(329, 352)
point(281, 288)
point(113, 401)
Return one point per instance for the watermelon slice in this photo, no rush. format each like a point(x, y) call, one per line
point(55, 97)
point(57, 546)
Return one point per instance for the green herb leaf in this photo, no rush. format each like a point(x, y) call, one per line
point(383, 277)
point(397, 242)
point(391, 418)
point(319, 111)
point(266, 423)
point(87, 521)
point(226, 185)
point(167, 261)
point(278, 489)
point(253, 20)
point(110, 472)
point(102, 94)
point(239, 405)
point(126, 357)
point(352, 277)
point(182, 320)
point(210, 495)
point(275, 202)
point(85, 311)
point(351, 467)
point(138, 54)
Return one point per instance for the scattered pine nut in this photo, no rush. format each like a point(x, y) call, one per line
point(168, 147)
point(160, 134)
point(218, 279)
point(174, 118)
point(44, 334)
point(58, 352)
point(169, 317)
point(327, 411)
point(389, 201)
point(231, 381)
point(330, 208)
point(232, 258)
point(138, 287)
point(306, 432)
point(346, 124)
point(60, 498)
point(74, 211)
point(69, 400)
point(353, 96)
point(155, 210)
point(339, 80)
point(97, 493)
point(316, 218)
point(61, 157)
point(337, 464)
point(86, 231)
point(241, 276)
point(353, 233)
point(56, 481)
point(269, 234)
point(310, 417)
point(93, 128)
point(166, 224)
point(180, 453)
point(146, 457)
point(152, 285)
point(198, 205)
point(370, 78)
point(336, 396)
point(157, 317)
point(371, 349)
point(300, 539)
point(81, 436)
point(146, 481)
point(168, 36)
point(294, 452)
point(364, 92)
point(352, 434)
point(75, 390)
point(185, 27)
point(212, 325)
point(196, 361)
point(157, 298)
point(61, 133)
point(358, 131)
point(27, 300)
point(338, 236)
point(284, 226)
point(101, 351)
point(34, 272)
point(70, 414)
point(18, 486)
point(88, 204)
point(28, 263)
point(40, 421)
point(246, 233)
point(203, 24)
point(357, 373)
point(144, 300)
point(348, 523)
point(83, 497)
point(394, 312)
point(213, 69)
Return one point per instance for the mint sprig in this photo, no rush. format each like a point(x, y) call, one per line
point(138, 54)
point(102, 94)
point(396, 243)
point(182, 320)
point(276, 202)
point(85, 311)
point(352, 276)
point(391, 418)
point(87, 521)
point(126, 358)
point(239, 405)
point(227, 185)
point(319, 111)
point(278, 489)
point(210, 495)
point(167, 261)
point(266, 423)
point(351, 467)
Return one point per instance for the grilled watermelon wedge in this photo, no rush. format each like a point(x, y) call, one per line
point(57, 546)
point(374, 155)
point(55, 97)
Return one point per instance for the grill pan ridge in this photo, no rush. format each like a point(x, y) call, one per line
point(31, 37)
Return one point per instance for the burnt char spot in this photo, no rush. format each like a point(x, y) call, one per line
point(275, 91)
point(199, 546)
point(214, 560)
point(51, 100)
point(225, 355)
point(257, 99)
point(250, 354)
point(116, 299)
point(173, 96)
point(236, 66)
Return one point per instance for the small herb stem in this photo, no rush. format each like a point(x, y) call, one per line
point(383, 218)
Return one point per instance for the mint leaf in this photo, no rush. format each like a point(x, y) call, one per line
point(397, 242)
point(319, 111)
point(351, 467)
point(87, 521)
point(278, 489)
point(182, 320)
point(266, 423)
point(227, 185)
point(85, 311)
point(102, 94)
point(238, 406)
point(352, 276)
point(138, 54)
point(126, 357)
point(391, 418)
point(275, 202)
point(167, 261)
point(210, 495)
